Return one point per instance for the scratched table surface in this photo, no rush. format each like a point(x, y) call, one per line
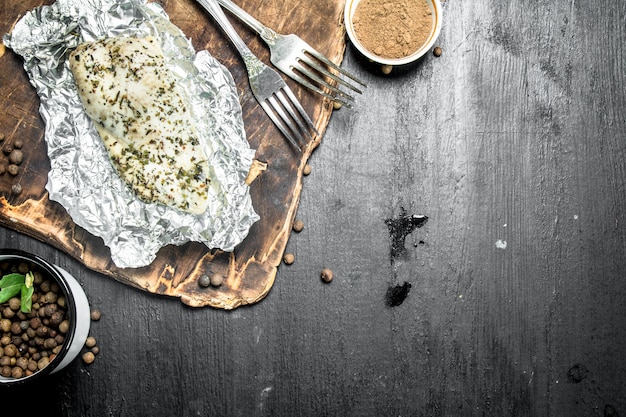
point(507, 299)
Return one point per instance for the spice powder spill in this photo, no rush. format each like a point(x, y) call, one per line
point(393, 28)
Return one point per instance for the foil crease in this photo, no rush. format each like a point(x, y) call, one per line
point(82, 178)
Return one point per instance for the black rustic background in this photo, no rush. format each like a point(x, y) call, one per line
point(513, 144)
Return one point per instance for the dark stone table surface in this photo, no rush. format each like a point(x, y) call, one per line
point(508, 298)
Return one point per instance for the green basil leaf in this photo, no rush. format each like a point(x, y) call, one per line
point(10, 286)
point(27, 298)
point(12, 279)
point(6, 293)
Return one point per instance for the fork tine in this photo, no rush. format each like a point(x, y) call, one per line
point(332, 65)
point(339, 97)
point(287, 121)
point(314, 65)
point(278, 121)
point(304, 132)
point(313, 76)
point(298, 106)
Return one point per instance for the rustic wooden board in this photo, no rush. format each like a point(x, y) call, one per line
point(250, 270)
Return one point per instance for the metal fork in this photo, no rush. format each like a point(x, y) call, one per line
point(268, 87)
point(300, 61)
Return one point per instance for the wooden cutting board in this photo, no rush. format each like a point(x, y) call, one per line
point(250, 270)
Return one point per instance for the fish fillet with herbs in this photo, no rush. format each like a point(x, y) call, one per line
point(144, 120)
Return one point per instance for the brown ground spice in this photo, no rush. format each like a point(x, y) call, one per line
point(393, 28)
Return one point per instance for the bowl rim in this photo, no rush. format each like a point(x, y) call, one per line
point(17, 254)
point(349, 10)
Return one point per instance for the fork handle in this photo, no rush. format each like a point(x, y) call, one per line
point(216, 11)
point(266, 33)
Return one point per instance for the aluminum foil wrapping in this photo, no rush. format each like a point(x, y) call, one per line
point(82, 178)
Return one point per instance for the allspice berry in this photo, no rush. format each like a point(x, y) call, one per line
point(90, 342)
point(437, 51)
point(88, 357)
point(289, 258)
point(204, 281)
point(298, 225)
point(217, 280)
point(13, 169)
point(95, 315)
point(326, 275)
point(386, 69)
point(16, 156)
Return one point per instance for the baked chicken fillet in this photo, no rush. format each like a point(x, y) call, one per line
point(144, 120)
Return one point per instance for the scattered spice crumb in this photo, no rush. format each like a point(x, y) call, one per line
point(2, 137)
point(337, 105)
point(289, 258)
point(298, 225)
point(386, 69)
point(307, 169)
point(437, 51)
point(326, 275)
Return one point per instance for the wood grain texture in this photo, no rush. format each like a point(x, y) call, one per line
point(515, 134)
point(249, 271)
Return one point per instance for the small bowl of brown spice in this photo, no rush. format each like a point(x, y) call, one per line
point(393, 32)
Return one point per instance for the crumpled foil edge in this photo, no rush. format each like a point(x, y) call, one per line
point(82, 178)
